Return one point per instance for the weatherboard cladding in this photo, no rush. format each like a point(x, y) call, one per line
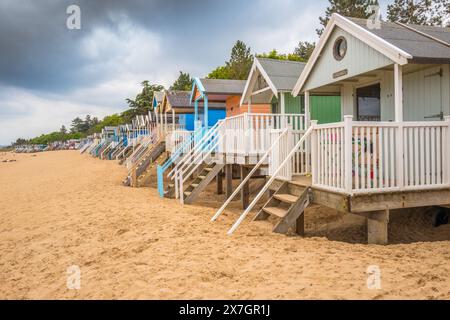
point(360, 58)
point(417, 45)
point(283, 74)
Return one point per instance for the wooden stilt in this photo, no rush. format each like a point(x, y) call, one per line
point(245, 192)
point(377, 227)
point(300, 225)
point(229, 179)
point(219, 179)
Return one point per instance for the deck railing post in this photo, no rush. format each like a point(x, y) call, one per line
point(246, 134)
point(314, 155)
point(447, 150)
point(348, 123)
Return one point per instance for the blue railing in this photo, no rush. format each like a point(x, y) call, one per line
point(175, 156)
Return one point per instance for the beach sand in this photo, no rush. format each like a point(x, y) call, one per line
point(59, 209)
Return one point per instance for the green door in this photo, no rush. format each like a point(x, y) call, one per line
point(326, 109)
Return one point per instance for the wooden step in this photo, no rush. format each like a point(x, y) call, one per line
point(208, 169)
point(201, 177)
point(187, 193)
point(276, 211)
point(194, 185)
point(285, 197)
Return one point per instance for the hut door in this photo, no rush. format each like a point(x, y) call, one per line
point(422, 95)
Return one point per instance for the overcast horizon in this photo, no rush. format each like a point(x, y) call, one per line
point(50, 74)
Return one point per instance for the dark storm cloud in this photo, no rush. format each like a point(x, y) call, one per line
point(39, 52)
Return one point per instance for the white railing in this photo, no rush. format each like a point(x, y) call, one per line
point(359, 157)
point(175, 139)
point(250, 134)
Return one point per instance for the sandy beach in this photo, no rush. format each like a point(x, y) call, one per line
point(59, 209)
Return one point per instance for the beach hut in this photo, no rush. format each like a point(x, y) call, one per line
point(271, 81)
point(391, 147)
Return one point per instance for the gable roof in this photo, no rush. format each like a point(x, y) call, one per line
point(283, 74)
point(421, 42)
point(223, 86)
point(280, 75)
point(182, 100)
point(402, 43)
point(397, 55)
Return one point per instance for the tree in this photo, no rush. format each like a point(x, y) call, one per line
point(422, 12)
point(142, 103)
point(63, 129)
point(304, 50)
point(183, 83)
point(77, 125)
point(348, 8)
point(240, 62)
point(239, 65)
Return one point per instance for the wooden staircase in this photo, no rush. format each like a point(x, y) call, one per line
point(144, 179)
point(287, 205)
point(141, 170)
point(207, 174)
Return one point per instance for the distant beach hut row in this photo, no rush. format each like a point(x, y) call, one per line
point(362, 128)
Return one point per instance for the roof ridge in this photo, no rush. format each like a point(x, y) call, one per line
point(279, 60)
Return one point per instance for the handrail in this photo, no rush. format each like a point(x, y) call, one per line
point(161, 169)
point(188, 156)
point(272, 178)
point(214, 141)
point(260, 162)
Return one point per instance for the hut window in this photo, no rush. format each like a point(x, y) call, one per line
point(340, 48)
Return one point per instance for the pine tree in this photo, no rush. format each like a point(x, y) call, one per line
point(183, 83)
point(304, 50)
point(240, 62)
point(422, 12)
point(348, 8)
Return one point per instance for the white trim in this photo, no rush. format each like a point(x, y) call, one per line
point(392, 52)
point(256, 66)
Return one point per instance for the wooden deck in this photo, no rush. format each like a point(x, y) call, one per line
point(372, 202)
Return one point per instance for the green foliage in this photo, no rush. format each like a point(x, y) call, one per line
point(422, 12)
point(279, 56)
point(221, 72)
point(109, 121)
point(51, 137)
point(348, 8)
point(183, 83)
point(239, 65)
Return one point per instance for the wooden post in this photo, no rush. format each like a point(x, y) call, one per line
point(219, 179)
point(300, 225)
point(314, 158)
point(205, 106)
point(249, 108)
point(377, 227)
point(173, 119)
point(348, 122)
point(307, 123)
point(398, 98)
point(447, 148)
point(245, 192)
point(229, 179)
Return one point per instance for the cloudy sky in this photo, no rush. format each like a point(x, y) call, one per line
point(50, 74)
